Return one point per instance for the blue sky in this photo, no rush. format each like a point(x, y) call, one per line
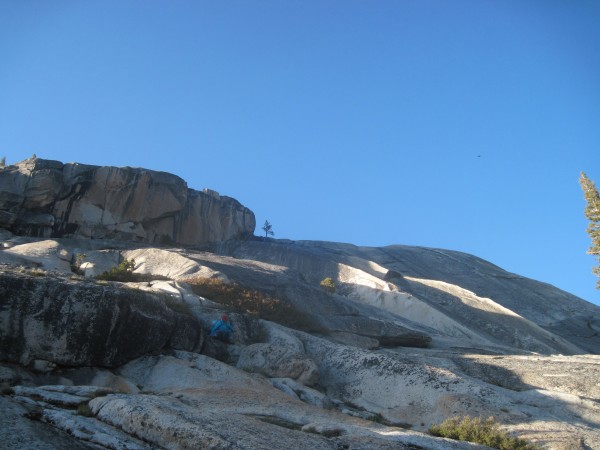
point(460, 124)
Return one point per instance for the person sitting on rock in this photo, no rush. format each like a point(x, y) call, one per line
point(222, 329)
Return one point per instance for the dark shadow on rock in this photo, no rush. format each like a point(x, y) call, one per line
point(314, 310)
point(559, 312)
point(216, 349)
point(501, 329)
point(78, 324)
point(551, 308)
point(491, 374)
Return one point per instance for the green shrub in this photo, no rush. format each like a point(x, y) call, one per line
point(328, 284)
point(84, 410)
point(474, 429)
point(123, 272)
point(252, 301)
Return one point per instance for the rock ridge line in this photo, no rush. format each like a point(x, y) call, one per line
point(46, 198)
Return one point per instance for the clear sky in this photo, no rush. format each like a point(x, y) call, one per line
point(458, 124)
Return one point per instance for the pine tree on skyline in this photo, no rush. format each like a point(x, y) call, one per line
point(268, 229)
point(592, 212)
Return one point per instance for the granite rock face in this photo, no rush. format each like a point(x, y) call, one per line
point(48, 198)
point(411, 337)
point(452, 297)
point(279, 362)
point(67, 323)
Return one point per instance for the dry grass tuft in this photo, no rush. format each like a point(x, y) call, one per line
point(254, 302)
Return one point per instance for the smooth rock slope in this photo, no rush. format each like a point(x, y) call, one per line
point(410, 336)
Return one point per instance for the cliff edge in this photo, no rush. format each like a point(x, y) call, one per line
point(45, 198)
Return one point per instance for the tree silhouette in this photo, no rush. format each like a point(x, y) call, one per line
point(268, 229)
point(592, 212)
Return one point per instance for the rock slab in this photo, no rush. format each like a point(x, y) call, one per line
point(86, 324)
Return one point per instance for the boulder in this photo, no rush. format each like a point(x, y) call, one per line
point(165, 263)
point(47, 254)
point(50, 199)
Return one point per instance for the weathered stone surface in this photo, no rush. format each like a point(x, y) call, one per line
point(354, 340)
point(300, 391)
point(47, 198)
point(165, 263)
point(47, 254)
point(91, 430)
point(279, 362)
point(402, 386)
point(77, 324)
point(22, 433)
point(51, 396)
point(484, 357)
point(574, 375)
point(311, 308)
point(192, 398)
point(452, 296)
point(209, 404)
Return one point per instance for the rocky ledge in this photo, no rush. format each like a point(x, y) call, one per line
point(73, 323)
point(47, 198)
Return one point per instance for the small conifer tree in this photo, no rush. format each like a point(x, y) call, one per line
point(592, 212)
point(268, 229)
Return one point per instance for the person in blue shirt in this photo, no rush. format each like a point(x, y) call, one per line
point(222, 329)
